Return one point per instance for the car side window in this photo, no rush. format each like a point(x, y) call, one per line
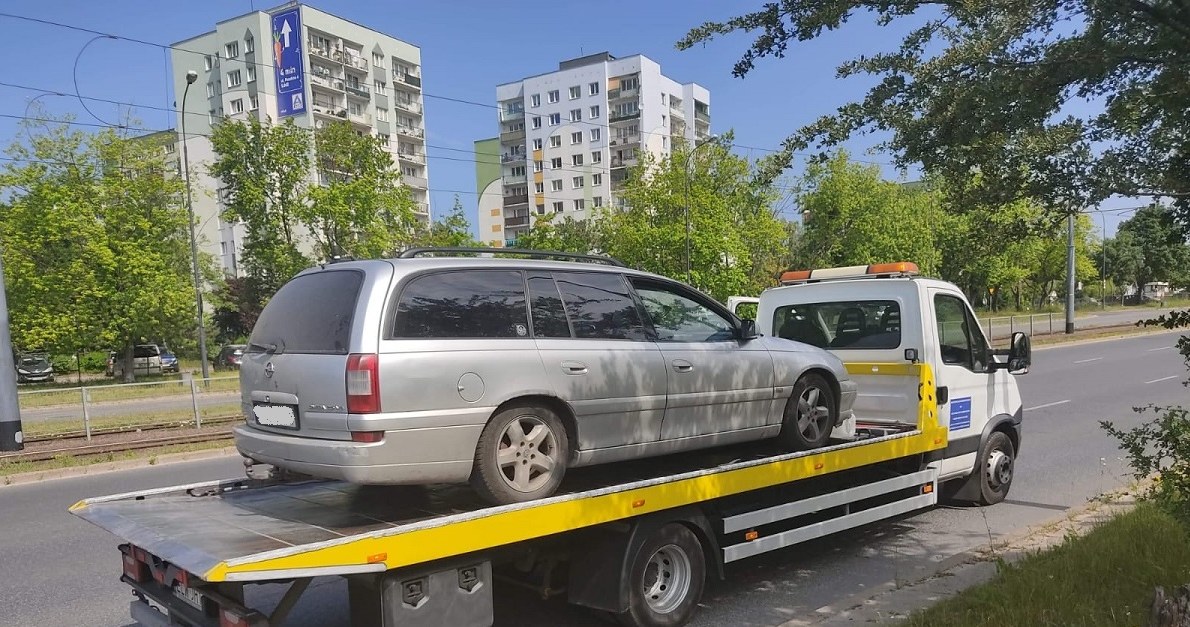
point(678, 318)
point(599, 306)
point(463, 304)
point(959, 339)
point(549, 314)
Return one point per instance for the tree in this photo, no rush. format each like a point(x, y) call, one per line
point(263, 169)
point(734, 235)
point(453, 230)
point(853, 216)
point(564, 235)
point(987, 87)
point(1163, 252)
point(237, 303)
point(359, 209)
point(1125, 260)
point(96, 246)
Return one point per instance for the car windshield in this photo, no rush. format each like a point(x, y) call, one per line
point(146, 351)
point(34, 362)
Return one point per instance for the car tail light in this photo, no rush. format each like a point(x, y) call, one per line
point(363, 384)
point(231, 618)
point(367, 437)
point(134, 568)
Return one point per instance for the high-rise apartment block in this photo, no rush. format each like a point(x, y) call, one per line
point(567, 137)
point(297, 62)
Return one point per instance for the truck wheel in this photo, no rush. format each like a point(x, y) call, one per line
point(997, 459)
point(521, 455)
point(666, 579)
point(810, 414)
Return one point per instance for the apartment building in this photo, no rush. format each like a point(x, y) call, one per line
point(568, 137)
point(298, 62)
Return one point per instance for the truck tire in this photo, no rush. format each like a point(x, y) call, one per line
point(996, 467)
point(666, 579)
point(810, 415)
point(521, 455)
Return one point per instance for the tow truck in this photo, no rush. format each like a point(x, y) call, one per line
point(634, 540)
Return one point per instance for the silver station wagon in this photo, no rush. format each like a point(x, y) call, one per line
point(506, 372)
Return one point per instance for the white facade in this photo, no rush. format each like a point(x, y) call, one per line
point(352, 73)
point(568, 137)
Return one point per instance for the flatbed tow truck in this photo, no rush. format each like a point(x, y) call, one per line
point(635, 540)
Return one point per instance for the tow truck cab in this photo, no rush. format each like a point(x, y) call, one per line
point(887, 313)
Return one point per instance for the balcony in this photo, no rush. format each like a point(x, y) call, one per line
point(410, 131)
point(511, 158)
point(421, 208)
point(506, 115)
point(359, 91)
point(513, 179)
point(702, 116)
point(618, 94)
point(626, 140)
point(322, 53)
point(412, 157)
point(407, 78)
point(516, 221)
point(420, 182)
point(329, 109)
point(622, 117)
point(510, 136)
point(330, 82)
point(411, 107)
point(360, 118)
point(355, 62)
point(516, 199)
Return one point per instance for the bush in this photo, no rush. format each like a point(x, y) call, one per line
point(1161, 447)
point(94, 361)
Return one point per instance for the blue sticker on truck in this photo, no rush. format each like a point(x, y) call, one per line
point(960, 413)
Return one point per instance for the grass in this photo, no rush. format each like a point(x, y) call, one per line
point(70, 461)
point(180, 417)
point(1103, 578)
point(110, 391)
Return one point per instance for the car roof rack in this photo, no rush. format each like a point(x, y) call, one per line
point(536, 254)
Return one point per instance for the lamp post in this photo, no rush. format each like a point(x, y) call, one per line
point(192, 76)
point(689, 156)
point(1103, 272)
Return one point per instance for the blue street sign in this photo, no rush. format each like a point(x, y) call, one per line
point(287, 61)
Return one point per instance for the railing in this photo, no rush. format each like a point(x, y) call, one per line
point(702, 116)
point(615, 94)
point(506, 115)
point(620, 117)
point(321, 52)
point(412, 157)
point(508, 136)
point(363, 91)
point(516, 221)
point(408, 79)
point(420, 182)
point(516, 199)
point(327, 81)
point(359, 63)
point(513, 179)
point(509, 158)
point(362, 118)
point(411, 107)
point(421, 208)
point(1034, 324)
point(410, 131)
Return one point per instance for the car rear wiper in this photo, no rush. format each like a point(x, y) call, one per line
point(271, 349)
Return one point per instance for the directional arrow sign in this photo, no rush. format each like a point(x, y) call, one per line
point(285, 30)
point(287, 48)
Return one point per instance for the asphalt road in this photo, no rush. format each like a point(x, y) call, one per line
point(58, 569)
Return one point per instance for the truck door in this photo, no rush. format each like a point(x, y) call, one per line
point(961, 356)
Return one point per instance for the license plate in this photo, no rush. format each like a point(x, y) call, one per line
point(192, 597)
point(270, 415)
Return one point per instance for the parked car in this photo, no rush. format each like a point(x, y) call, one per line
point(169, 361)
point(146, 360)
point(230, 356)
point(34, 368)
point(506, 372)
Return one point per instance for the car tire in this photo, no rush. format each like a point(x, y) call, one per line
point(997, 459)
point(522, 455)
point(810, 414)
point(666, 579)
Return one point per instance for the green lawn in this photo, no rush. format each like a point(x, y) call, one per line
point(1103, 578)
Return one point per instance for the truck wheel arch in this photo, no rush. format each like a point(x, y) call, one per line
point(968, 488)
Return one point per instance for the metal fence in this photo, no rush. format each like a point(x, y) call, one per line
point(84, 410)
point(1002, 327)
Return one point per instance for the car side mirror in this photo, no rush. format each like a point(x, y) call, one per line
point(1020, 354)
point(747, 330)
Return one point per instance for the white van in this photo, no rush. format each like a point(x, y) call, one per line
point(886, 313)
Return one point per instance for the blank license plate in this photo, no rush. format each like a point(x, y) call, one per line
point(269, 415)
point(192, 597)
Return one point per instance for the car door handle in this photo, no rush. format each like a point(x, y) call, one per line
point(681, 365)
point(574, 367)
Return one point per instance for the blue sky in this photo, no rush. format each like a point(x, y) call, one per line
point(467, 49)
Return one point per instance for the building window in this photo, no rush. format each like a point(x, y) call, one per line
point(594, 134)
point(249, 45)
point(558, 207)
point(251, 73)
point(597, 201)
point(540, 209)
point(535, 100)
point(210, 90)
point(211, 116)
point(381, 114)
point(594, 112)
point(552, 96)
point(380, 86)
point(556, 163)
point(378, 60)
point(539, 188)
point(630, 83)
point(237, 105)
point(537, 144)
point(576, 159)
point(576, 137)
point(518, 170)
point(384, 137)
point(597, 156)
point(208, 62)
point(665, 143)
point(576, 182)
point(253, 103)
point(556, 185)
point(575, 92)
point(555, 141)
point(538, 166)
point(537, 121)
point(233, 50)
point(555, 119)
point(592, 88)
point(580, 204)
point(576, 115)
point(234, 79)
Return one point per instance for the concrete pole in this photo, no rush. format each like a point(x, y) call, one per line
point(1070, 273)
point(200, 328)
point(11, 436)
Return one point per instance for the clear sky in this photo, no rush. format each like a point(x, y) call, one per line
point(468, 47)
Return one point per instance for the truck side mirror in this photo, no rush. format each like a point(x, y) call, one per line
point(747, 330)
point(1020, 354)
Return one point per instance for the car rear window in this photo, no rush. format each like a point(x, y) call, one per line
point(145, 351)
point(856, 325)
point(463, 304)
point(310, 314)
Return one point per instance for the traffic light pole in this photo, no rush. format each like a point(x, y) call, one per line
point(11, 437)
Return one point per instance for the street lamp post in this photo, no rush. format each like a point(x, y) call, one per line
point(689, 156)
point(1103, 272)
point(192, 76)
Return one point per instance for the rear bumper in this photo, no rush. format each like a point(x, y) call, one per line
point(410, 456)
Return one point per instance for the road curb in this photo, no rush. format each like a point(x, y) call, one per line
point(105, 467)
point(1096, 340)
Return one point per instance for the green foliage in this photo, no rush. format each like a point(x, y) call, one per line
point(985, 86)
point(359, 209)
point(237, 303)
point(1159, 251)
point(453, 230)
point(565, 235)
point(96, 246)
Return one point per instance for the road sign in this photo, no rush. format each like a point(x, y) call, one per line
point(288, 62)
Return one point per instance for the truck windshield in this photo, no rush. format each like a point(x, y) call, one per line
point(855, 324)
